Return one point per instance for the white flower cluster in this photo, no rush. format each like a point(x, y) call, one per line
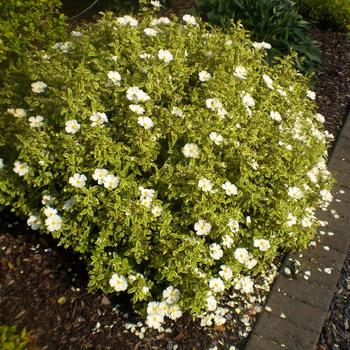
point(64, 46)
point(127, 21)
point(53, 221)
point(146, 199)
point(103, 177)
point(168, 307)
point(17, 112)
point(214, 104)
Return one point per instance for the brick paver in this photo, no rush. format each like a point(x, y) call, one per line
point(297, 306)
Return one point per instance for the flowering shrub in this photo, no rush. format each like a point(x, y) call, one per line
point(173, 159)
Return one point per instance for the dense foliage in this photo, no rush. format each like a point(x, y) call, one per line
point(330, 13)
point(175, 160)
point(28, 24)
point(11, 339)
point(274, 21)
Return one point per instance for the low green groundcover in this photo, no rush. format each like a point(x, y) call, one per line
point(172, 158)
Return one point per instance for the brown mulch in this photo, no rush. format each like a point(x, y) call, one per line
point(333, 90)
point(44, 288)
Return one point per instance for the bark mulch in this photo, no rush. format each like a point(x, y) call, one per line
point(43, 287)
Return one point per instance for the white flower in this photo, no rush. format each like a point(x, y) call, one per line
point(171, 295)
point(63, 46)
point(76, 34)
point(190, 20)
point(78, 180)
point(216, 285)
point(154, 307)
point(268, 81)
point(38, 87)
point(136, 95)
point(118, 283)
point(154, 321)
point(146, 122)
point(292, 220)
point(215, 251)
point(295, 192)
point(174, 312)
point(242, 255)
point(146, 192)
point(155, 3)
point(276, 116)
point(99, 175)
point(68, 204)
point(137, 109)
point(53, 223)
point(204, 76)
point(1, 163)
point(326, 195)
point(226, 272)
point(114, 58)
point(251, 263)
point(191, 150)
point(229, 188)
point(17, 112)
point(98, 119)
point(146, 196)
point(227, 241)
point(156, 211)
point(245, 285)
point(34, 222)
point(233, 225)
point(216, 138)
point(114, 76)
point(111, 181)
point(202, 228)
point(306, 222)
point(177, 112)
point(211, 303)
point(262, 244)
point(320, 118)
point(49, 211)
point(205, 185)
point(36, 122)
point(240, 72)
point(311, 95)
point(21, 168)
point(127, 20)
point(160, 20)
point(213, 103)
point(165, 55)
point(72, 126)
point(262, 45)
point(247, 100)
point(150, 32)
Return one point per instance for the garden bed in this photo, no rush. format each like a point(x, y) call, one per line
point(44, 288)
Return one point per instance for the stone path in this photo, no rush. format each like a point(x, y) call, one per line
point(296, 308)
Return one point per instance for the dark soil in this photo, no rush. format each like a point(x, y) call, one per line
point(43, 288)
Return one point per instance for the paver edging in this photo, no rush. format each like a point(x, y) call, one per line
point(295, 318)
